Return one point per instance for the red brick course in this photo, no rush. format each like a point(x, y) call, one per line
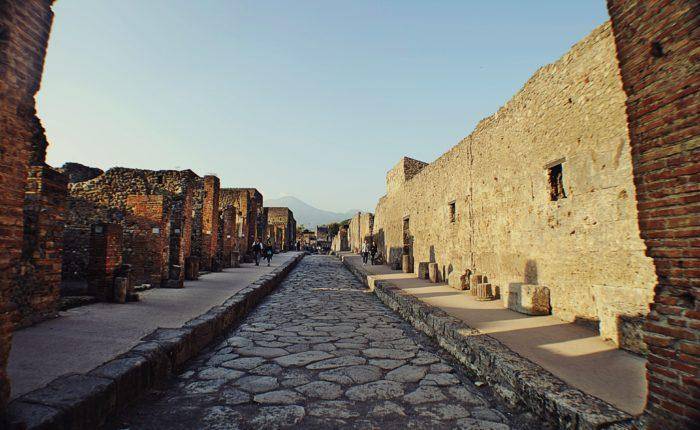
point(106, 248)
point(657, 47)
point(146, 239)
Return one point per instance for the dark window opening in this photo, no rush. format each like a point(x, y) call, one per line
point(556, 183)
point(453, 212)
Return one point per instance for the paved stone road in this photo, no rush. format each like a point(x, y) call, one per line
point(320, 352)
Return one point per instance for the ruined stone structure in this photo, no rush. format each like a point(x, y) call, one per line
point(540, 193)
point(249, 208)
point(227, 236)
point(103, 199)
point(210, 225)
point(657, 47)
point(281, 228)
point(340, 240)
point(359, 230)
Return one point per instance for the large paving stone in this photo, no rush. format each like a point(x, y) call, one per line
point(377, 390)
point(352, 374)
point(425, 394)
point(393, 354)
point(302, 358)
point(278, 416)
point(281, 397)
point(332, 363)
point(321, 390)
point(335, 409)
point(257, 384)
point(407, 373)
point(261, 351)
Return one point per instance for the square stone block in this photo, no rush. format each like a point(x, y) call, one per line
point(423, 270)
point(433, 272)
point(527, 299)
point(407, 264)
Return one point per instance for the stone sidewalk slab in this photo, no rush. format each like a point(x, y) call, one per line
point(62, 366)
point(573, 354)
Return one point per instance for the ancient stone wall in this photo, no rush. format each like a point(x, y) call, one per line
point(281, 227)
point(106, 252)
point(249, 205)
point(24, 31)
point(227, 235)
point(657, 47)
point(147, 239)
point(37, 292)
point(340, 241)
point(103, 199)
point(404, 170)
point(540, 193)
point(359, 230)
point(77, 172)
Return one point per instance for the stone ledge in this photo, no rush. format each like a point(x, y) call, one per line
point(517, 380)
point(85, 401)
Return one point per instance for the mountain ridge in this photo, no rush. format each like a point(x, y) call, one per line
point(308, 215)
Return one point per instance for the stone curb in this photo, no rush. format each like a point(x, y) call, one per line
point(85, 401)
point(515, 379)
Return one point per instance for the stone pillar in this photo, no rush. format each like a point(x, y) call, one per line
point(484, 292)
point(105, 257)
point(657, 49)
point(407, 264)
point(146, 239)
point(423, 270)
point(228, 235)
point(44, 215)
point(210, 223)
point(192, 268)
point(474, 280)
point(180, 238)
point(433, 272)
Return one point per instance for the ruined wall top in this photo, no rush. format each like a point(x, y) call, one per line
point(403, 171)
point(279, 215)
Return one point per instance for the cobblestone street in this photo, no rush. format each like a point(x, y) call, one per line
point(320, 352)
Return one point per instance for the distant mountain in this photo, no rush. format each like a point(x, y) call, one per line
point(308, 215)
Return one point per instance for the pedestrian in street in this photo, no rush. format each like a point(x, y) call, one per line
point(365, 252)
point(256, 250)
point(268, 251)
point(373, 251)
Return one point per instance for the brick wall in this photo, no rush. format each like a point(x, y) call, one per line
point(146, 239)
point(657, 48)
point(227, 227)
point(36, 295)
point(210, 223)
point(106, 248)
point(24, 33)
point(249, 204)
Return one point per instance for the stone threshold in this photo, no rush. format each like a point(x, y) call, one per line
point(515, 379)
point(85, 401)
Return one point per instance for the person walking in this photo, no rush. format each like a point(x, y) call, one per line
point(373, 251)
point(256, 250)
point(365, 252)
point(268, 252)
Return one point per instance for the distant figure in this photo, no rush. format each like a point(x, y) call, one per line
point(373, 251)
point(365, 252)
point(268, 252)
point(298, 246)
point(256, 250)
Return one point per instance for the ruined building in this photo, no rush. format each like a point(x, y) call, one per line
point(360, 230)
point(249, 208)
point(340, 240)
point(281, 228)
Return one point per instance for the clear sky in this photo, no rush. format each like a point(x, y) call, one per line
point(315, 99)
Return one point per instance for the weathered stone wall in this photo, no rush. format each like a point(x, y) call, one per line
point(340, 241)
point(585, 246)
point(281, 227)
point(146, 239)
point(77, 172)
point(359, 230)
point(404, 170)
point(249, 205)
point(37, 292)
point(24, 31)
point(657, 47)
point(103, 199)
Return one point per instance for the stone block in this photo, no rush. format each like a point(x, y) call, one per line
point(423, 270)
point(192, 268)
point(407, 264)
point(474, 280)
point(459, 281)
point(528, 299)
point(484, 292)
point(433, 272)
point(121, 289)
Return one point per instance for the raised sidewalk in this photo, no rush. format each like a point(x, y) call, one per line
point(100, 357)
point(570, 358)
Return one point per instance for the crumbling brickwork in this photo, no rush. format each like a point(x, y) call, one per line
point(37, 292)
point(106, 251)
point(281, 227)
point(359, 230)
point(249, 205)
point(227, 235)
point(147, 235)
point(487, 204)
point(657, 48)
point(210, 224)
point(24, 31)
point(103, 199)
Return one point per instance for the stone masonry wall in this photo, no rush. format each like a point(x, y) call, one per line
point(585, 246)
point(281, 227)
point(37, 292)
point(210, 223)
point(360, 228)
point(146, 239)
point(657, 47)
point(24, 31)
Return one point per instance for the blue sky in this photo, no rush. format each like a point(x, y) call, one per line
point(315, 99)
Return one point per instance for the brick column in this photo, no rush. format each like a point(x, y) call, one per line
point(105, 257)
point(210, 222)
point(228, 234)
point(657, 47)
point(180, 239)
point(146, 239)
